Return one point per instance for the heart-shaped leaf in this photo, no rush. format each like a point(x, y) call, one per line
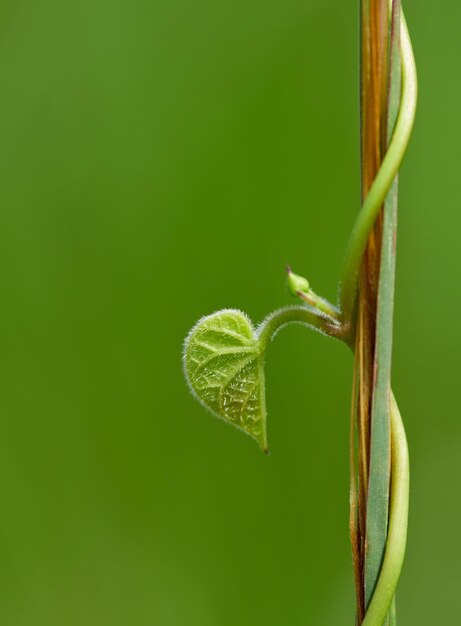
point(224, 366)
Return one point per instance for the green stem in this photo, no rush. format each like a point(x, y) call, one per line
point(383, 181)
point(320, 303)
point(398, 521)
point(298, 315)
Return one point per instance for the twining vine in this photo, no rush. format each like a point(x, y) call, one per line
point(224, 353)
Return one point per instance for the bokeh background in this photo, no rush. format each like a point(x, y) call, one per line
point(159, 161)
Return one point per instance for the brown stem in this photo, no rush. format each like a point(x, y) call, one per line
point(374, 95)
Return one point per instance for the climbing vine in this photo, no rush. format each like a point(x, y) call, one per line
point(224, 352)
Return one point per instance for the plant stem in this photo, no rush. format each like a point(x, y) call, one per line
point(299, 315)
point(383, 180)
point(311, 298)
point(398, 520)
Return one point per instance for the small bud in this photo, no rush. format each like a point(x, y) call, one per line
point(296, 283)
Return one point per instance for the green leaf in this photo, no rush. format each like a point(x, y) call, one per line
point(224, 366)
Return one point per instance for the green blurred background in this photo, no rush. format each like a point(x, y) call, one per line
point(161, 160)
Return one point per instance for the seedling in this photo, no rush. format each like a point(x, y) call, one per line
point(224, 352)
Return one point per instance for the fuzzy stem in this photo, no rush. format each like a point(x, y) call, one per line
point(299, 315)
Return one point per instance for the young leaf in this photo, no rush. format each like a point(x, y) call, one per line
point(224, 366)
